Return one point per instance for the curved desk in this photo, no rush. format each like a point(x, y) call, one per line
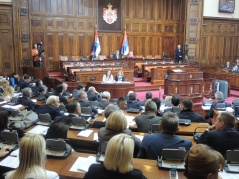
point(116, 89)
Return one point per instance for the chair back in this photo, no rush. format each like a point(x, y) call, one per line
point(95, 104)
point(154, 128)
point(44, 117)
point(86, 111)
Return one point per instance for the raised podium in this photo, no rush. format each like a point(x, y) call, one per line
point(185, 84)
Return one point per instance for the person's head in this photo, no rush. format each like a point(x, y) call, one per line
point(81, 87)
point(131, 54)
point(59, 89)
point(92, 53)
point(228, 63)
point(73, 107)
point(187, 104)
point(117, 52)
point(27, 92)
point(175, 100)
point(202, 162)
point(106, 95)
point(119, 154)
point(5, 83)
point(121, 103)
point(169, 123)
point(237, 60)
point(108, 72)
point(39, 83)
point(120, 73)
point(42, 89)
point(109, 109)
point(14, 75)
point(129, 93)
point(148, 95)
point(150, 107)
point(219, 96)
point(179, 46)
point(64, 86)
point(157, 102)
point(83, 96)
point(3, 119)
point(32, 153)
point(92, 89)
point(9, 91)
point(53, 100)
point(34, 46)
point(116, 121)
point(225, 119)
point(168, 99)
point(132, 96)
point(57, 130)
point(27, 78)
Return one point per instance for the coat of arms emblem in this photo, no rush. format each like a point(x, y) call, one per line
point(109, 15)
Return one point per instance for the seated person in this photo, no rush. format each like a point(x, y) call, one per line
point(42, 93)
point(83, 100)
point(187, 112)
point(117, 162)
point(122, 104)
point(25, 82)
point(108, 77)
point(148, 95)
point(200, 156)
point(227, 65)
point(108, 110)
point(4, 120)
point(133, 102)
point(74, 110)
point(127, 97)
point(58, 92)
point(25, 99)
point(237, 62)
point(116, 123)
point(14, 79)
point(35, 89)
point(57, 130)
point(3, 85)
point(119, 76)
point(92, 94)
point(51, 107)
point(152, 144)
point(235, 69)
point(168, 101)
point(145, 121)
point(219, 98)
point(105, 100)
point(158, 103)
point(175, 104)
point(222, 136)
point(131, 55)
point(32, 156)
point(65, 93)
point(8, 93)
point(76, 91)
point(117, 55)
point(92, 55)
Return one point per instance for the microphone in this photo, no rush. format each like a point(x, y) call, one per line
point(170, 145)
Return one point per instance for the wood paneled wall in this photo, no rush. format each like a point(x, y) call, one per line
point(67, 27)
point(219, 42)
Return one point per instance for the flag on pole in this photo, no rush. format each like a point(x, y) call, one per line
point(96, 47)
point(125, 45)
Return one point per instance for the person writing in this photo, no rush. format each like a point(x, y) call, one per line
point(119, 76)
point(108, 77)
point(179, 54)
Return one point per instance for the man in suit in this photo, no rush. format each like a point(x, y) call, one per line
point(74, 109)
point(25, 99)
point(145, 121)
point(76, 91)
point(222, 136)
point(25, 82)
point(93, 95)
point(117, 55)
point(105, 101)
point(179, 54)
point(59, 92)
point(188, 113)
point(148, 95)
point(219, 99)
point(152, 144)
point(227, 65)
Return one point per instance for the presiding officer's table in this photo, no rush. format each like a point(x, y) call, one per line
point(116, 89)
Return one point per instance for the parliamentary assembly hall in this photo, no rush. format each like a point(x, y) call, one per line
point(119, 89)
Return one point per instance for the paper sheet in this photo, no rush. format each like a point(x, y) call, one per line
point(140, 137)
point(100, 111)
point(13, 107)
point(95, 137)
point(225, 174)
point(11, 162)
point(15, 153)
point(206, 108)
point(85, 133)
point(38, 130)
point(173, 164)
point(82, 164)
point(233, 167)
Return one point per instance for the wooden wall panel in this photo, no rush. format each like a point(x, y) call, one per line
point(220, 42)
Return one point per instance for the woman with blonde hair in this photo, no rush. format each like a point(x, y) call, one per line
point(118, 161)
point(202, 162)
point(32, 156)
point(8, 93)
point(3, 85)
point(115, 124)
point(119, 76)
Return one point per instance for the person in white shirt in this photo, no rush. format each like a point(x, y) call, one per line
point(108, 77)
point(32, 156)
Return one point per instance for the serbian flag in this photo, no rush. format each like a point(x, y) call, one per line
point(125, 45)
point(96, 47)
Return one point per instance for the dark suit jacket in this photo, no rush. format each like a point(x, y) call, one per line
point(87, 104)
point(153, 144)
point(134, 104)
point(53, 111)
point(26, 102)
point(145, 121)
point(23, 85)
point(61, 98)
point(103, 103)
point(221, 140)
point(189, 114)
point(119, 56)
point(100, 172)
point(66, 119)
point(179, 52)
point(93, 97)
point(210, 113)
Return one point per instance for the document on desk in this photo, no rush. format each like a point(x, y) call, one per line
point(85, 133)
point(130, 121)
point(13, 107)
point(38, 129)
point(206, 108)
point(11, 162)
point(233, 167)
point(15, 153)
point(82, 164)
point(34, 100)
point(95, 137)
point(173, 164)
point(100, 111)
point(225, 174)
point(140, 137)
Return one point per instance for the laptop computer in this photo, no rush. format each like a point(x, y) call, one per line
point(44, 119)
point(78, 123)
point(9, 140)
